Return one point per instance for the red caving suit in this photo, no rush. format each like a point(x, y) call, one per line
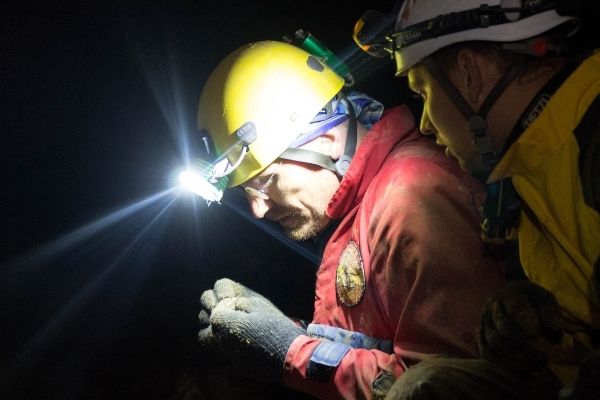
point(403, 276)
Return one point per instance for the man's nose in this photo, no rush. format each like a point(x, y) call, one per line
point(258, 206)
point(425, 125)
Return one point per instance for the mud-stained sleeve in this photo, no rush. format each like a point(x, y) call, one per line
point(353, 378)
point(430, 271)
point(427, 255)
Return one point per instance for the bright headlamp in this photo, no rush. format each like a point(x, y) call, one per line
point(209, 180)
point(204, 181)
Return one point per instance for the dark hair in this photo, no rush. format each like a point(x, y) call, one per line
point(558, 37)
point(447, 57)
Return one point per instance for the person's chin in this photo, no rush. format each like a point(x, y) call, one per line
point(300, 232)
point(464, 164)
point(450, 153)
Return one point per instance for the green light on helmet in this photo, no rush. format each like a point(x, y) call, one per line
point(312, 45)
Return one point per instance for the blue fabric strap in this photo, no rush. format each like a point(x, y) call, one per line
point(367, 111)
point(355, 340)
point(325, 359)
point(336, 344)
point(329, 353)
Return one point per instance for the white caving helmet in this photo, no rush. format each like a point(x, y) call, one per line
point(424, 26)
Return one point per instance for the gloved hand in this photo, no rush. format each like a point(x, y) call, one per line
point(519, 326)
point(247, 328)
point(253, 335)
point(224, 288)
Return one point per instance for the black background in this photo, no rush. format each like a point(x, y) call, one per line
point(95, 99)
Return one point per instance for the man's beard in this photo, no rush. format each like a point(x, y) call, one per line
point(308, 226)
point(307, 223)
point(304, 231)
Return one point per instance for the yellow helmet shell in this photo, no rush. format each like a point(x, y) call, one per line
point(277, 87)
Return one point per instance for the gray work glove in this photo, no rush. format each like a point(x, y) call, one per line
point(250, 331)
point(225, 288)
point(519, 326)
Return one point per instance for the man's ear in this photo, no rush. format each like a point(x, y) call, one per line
point(334, 140)
point(468, 77)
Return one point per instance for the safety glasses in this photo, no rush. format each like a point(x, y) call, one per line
point(258, 186)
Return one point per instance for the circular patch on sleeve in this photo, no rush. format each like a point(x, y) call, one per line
point(350, 276)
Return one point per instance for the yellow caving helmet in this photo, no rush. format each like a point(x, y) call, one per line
point(272, 87)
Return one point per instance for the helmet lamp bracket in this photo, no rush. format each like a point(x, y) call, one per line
point(308, 42)
point(246, 133)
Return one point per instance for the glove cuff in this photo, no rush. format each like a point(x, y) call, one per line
point(286, 338)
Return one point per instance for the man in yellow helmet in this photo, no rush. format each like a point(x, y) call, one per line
point(504, 99)
point(404, 274)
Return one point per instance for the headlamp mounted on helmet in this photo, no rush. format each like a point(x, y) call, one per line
point(482, 17)
point(378, 36)
point(308, 42)
point(255, 104)
point(372, 33)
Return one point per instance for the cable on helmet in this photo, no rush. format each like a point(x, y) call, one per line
point(308, 42)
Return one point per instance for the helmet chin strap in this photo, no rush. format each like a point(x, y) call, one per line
point(477, 123)
point(343, 163)
point(501, 208)
point(309, 157)
point(339, 166)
